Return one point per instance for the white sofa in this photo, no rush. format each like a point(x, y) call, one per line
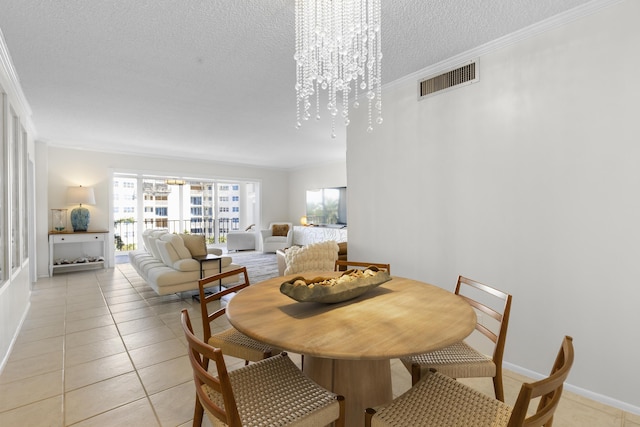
point(166, 262)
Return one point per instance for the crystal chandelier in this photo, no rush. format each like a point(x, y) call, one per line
point(338, 49)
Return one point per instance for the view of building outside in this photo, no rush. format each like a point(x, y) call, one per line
point(179, 205)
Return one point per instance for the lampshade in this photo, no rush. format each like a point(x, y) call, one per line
point(80, 196)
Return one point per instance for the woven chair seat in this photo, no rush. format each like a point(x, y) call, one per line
point(457, 361)
point(234, 343)
point(438, 400)
point(274, 392)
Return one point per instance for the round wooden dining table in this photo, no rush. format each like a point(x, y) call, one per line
point(348, 346)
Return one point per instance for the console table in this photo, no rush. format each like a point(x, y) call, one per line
point(303, 236)
point(77, 250)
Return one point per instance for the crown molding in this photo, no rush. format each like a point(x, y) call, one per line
point(502, 42)
point(12, 86)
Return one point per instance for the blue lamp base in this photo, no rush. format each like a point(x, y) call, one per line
point(80, 219)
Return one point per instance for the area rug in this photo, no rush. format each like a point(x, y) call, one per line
point(260, 266)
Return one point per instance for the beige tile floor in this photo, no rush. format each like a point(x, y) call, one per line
point(100, 348)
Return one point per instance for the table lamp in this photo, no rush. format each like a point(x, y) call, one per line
point(80, 216)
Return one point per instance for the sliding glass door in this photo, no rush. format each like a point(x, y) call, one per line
point(181, 205)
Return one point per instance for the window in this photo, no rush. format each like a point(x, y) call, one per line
point(235, 198)
point(235, 209)
point(14, 146)
point(194, 207)
point(24, 198)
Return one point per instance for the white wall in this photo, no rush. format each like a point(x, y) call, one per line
point(312, 178)
point(529, 181)
point(66, 167)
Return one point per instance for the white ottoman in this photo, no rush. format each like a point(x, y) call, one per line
point(241, 240)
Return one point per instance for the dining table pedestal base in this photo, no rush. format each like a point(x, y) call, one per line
point(363, 383)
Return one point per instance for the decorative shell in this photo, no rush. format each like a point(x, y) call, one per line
point(350, 284)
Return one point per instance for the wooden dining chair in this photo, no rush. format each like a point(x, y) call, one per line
point(460, 360)
point(231, 341)
point(267, 393)
point(439, 400)
point(343, 265)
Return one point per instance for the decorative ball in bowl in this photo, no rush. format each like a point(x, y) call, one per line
point(349, 285)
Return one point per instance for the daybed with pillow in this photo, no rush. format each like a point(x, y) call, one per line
point(166, 262)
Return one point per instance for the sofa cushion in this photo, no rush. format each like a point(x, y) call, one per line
point(166, 276)
point(178, 245)
point(211, 268)
point(278, 239)
point(145, 238)
point(226, 261)
point(189, 264)
point(171, 258)
point(212, 250)
point(168, 254)
point(195, 243)
point(152, 239)
point(279, 229)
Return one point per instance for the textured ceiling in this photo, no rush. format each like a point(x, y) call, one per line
point(213, 80)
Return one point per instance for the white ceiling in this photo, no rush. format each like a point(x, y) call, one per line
point(213, 80)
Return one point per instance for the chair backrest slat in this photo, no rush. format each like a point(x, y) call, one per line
point(465, 288)
point(206, 299)
point(549, 390)
point(199, 355)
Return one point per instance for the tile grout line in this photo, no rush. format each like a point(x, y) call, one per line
point(135, 369)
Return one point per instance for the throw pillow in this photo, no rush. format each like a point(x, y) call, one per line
point(195, 243)
point(178, 245)
point(279, 229)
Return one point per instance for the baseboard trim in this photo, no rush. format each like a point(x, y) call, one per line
point(600, 398)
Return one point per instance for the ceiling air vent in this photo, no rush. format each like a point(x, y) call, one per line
point(461, 76)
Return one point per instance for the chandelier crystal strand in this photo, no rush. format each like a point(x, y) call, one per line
point(338, 49)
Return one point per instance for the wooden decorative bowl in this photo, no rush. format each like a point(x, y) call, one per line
point(349, 285)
